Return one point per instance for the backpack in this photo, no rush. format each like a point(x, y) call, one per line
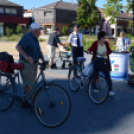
point(100, 64)
point(4, 56)
point(5, 62)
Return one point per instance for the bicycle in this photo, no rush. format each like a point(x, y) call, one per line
point(95, 84)
point(51, 98)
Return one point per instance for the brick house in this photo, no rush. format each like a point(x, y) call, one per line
point(57, 14)
point(11, 15)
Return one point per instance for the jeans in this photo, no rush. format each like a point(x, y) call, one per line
point(76, 52)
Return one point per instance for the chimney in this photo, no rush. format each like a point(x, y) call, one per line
point(59, 0)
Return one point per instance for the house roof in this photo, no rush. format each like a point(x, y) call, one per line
point(8, 3)
point(27, 11)
point(124, 16)
point(70, 6)
point(120, 16)
point(62, 5)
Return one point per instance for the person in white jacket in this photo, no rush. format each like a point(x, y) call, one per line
point(122, 42)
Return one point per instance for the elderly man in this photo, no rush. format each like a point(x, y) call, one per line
point(29, 49)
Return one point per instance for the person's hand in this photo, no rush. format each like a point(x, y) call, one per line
point(29, 59)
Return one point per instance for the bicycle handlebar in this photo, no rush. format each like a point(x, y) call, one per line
point(88, 52)
point(43, 65)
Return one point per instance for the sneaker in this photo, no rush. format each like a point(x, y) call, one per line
point(53, 66)
point(95, 91)
point(111, 93)
point(24, 104)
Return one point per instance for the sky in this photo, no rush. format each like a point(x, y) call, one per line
point(28, 4)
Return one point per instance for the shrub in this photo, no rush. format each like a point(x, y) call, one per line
point(15, 37)
point(130, 36)
point(19, 30)
point(21, 34)
point(9, 32)
point(41, 40)
point(64, 30)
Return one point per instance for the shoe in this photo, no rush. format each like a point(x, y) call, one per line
point(111, 93)
point(39, 111)
point(53, 66)
point(24, 104)
point(95, 91)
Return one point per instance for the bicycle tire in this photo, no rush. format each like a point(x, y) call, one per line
point(95, 92)
point(53, 100)
point(6, 92)
point(74, 82)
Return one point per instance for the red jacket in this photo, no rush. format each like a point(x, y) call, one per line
point(93, 49)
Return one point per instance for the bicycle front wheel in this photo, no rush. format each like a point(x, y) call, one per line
point(6, 92)
point(98, 89)
point(74, 79)
point(54, 103)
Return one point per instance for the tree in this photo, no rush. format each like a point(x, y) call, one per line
point(112, 10)
point(130, 23)
point(129, 6)
point(64, 30)
point(9, 32)
point(87, 15)
point(19, 30)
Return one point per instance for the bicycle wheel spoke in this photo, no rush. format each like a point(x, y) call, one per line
point(99, 92)
point(6, 89)
point(55, 105)
point(6, 98)
point(74, 79)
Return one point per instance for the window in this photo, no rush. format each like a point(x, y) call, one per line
point(11, 11)
point(72, 16)
point(47, 13)
point(112, 31)
point(1, 10)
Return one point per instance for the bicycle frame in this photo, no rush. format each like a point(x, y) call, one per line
point(34, 88)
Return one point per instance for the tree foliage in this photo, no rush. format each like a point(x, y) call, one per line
point(64, 30)
point(19, 30)
point(87, 15)
point(9, 31)
point(129, 6)
point(112, 10)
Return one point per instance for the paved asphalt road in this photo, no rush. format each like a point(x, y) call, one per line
point(115, 116)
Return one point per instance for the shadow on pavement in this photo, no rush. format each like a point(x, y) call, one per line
point(113, 116)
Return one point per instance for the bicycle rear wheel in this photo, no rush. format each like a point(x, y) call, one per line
point(54, 103)
point(74, 81)
point(98, 89)
point(6, 92)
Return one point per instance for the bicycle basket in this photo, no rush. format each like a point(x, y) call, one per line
point(5, 67)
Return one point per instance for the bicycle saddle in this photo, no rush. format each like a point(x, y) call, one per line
point(81, 59)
